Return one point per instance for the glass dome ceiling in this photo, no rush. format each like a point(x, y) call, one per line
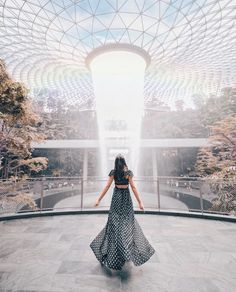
point(191, 44)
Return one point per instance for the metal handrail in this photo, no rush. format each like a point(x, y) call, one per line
point(159, 180)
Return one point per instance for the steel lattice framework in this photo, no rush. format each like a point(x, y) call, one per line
point(192, 43)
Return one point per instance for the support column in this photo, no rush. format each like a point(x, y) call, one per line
point(154, 163)
point(85, 164)
point(154, 167)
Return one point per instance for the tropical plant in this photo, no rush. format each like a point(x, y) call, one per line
point(19, 126)
point(217, 164)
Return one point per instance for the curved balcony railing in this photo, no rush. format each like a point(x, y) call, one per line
point(180, 194)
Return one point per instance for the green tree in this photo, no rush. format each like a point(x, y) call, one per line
point(216, 108)
point(218, 164)
point(18, 129)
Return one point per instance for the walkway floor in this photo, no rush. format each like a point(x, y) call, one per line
point(53, 254)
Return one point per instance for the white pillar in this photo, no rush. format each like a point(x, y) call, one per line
point(154, 167)
point(85, 164)
point(154, 163)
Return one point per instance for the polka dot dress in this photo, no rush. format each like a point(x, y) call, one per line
point(122, 238)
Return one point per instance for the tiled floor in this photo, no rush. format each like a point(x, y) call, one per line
point(53, 254)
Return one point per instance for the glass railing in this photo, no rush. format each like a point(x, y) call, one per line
point(180, 194)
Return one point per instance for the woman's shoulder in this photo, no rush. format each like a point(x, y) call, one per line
point(126, 171)
point(129, 172)
point(112, 172)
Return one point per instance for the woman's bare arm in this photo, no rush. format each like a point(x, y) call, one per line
point(134, 189)
point(106, 188)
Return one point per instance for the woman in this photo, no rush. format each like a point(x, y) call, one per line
point(122, 238)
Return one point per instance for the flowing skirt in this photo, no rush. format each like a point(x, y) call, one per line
point(122, 238)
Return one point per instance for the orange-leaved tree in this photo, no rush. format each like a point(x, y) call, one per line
point(19, 126)
point(217, 163)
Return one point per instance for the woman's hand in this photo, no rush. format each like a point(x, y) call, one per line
point(97, 203)
point(141, 206)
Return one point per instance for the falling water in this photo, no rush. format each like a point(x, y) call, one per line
point(118, 79)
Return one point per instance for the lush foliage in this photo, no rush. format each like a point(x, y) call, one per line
point(217, 163)
point(19, 126)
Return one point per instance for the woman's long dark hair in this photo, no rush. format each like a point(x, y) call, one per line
point(120, 166)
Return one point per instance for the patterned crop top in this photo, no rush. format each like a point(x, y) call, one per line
point(123, 180)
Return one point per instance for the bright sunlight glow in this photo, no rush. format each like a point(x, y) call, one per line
point(118, 80)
